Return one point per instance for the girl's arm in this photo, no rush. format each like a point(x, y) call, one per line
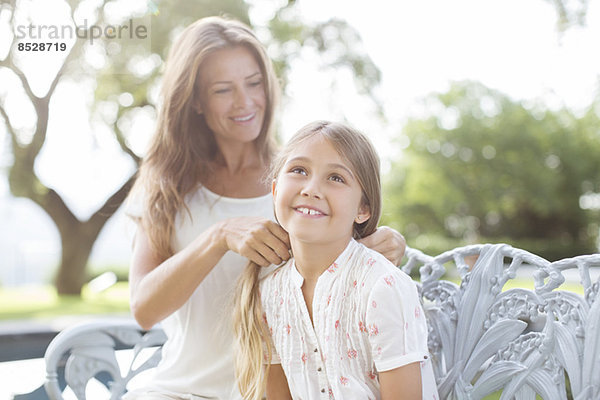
point(403, 383)
point(159, 286)
point(388, 242)
point(397, 320)
point(277, 385)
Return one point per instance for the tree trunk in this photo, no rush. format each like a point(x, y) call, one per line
point(76, 249)
point(78, 238)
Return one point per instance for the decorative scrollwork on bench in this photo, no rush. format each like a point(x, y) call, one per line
point(89, 349)
point(485, 338)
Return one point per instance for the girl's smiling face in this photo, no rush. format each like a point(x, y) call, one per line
point(317, 196)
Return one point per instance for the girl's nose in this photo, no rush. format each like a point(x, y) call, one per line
point(311, 189)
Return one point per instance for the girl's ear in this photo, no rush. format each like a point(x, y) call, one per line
point(274, 187)
point(364, 213)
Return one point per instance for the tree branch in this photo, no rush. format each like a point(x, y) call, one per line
point(9, 5)
point(111, 205)
point(54, 205)
point(9, 128)
point(41, 109)
point(119, 134)
point(8, 63)
point(42, 105)
point(123, 143)
point(72, 54)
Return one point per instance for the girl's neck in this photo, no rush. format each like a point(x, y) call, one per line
point(313, 259)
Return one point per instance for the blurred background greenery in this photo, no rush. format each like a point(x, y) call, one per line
point(476, 166)
point(486, 168)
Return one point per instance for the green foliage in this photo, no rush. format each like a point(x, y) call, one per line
point(483, 168)
point(285, 35)
point(338, 43)
point(570, 13)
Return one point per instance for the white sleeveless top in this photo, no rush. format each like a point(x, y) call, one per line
point(197, 358)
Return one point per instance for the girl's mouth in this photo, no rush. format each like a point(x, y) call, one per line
point(308, 211)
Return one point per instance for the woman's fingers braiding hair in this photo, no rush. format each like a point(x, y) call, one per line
point(260, 240)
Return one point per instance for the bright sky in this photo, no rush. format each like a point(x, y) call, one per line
point(420, 46)
point(511, 45)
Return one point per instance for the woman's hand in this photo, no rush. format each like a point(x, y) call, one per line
point(258, 239)
point(387, 241)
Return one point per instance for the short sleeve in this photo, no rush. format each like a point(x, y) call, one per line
point(395, 322)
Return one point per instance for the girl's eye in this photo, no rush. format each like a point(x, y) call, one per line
point(298, 170)
point(337, 178)
point(222, 91)
point(256, 83)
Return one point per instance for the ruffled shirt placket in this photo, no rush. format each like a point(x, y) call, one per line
point(314, 355)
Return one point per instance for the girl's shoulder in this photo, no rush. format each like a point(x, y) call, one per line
point(274, 285)
point(275, 275)
point(375, 267)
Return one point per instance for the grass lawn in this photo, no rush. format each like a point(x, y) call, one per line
point(528, 284)
point(42, 302)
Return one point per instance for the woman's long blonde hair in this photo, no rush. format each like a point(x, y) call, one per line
point(183, 146)
point(253, 343)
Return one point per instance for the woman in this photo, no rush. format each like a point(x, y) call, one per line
point(203, 208)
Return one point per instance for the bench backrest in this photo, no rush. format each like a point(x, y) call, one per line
point(483, 338)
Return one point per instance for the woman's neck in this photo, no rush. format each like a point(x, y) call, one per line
point(237, 173)
point(313, 259)
point(234, 159)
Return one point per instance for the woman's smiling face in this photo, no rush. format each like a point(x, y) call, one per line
point(232, 95)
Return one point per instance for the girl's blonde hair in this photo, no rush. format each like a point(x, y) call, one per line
point(183, 146)
point(250, 325)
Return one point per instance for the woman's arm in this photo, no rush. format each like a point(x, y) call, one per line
point(159, 286)
point(277, 385)
point(387, 241)
point(403, 383)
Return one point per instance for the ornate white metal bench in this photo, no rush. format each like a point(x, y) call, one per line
point(483, 339)
point(88, 350)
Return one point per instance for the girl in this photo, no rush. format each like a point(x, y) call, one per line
point(338, 321)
